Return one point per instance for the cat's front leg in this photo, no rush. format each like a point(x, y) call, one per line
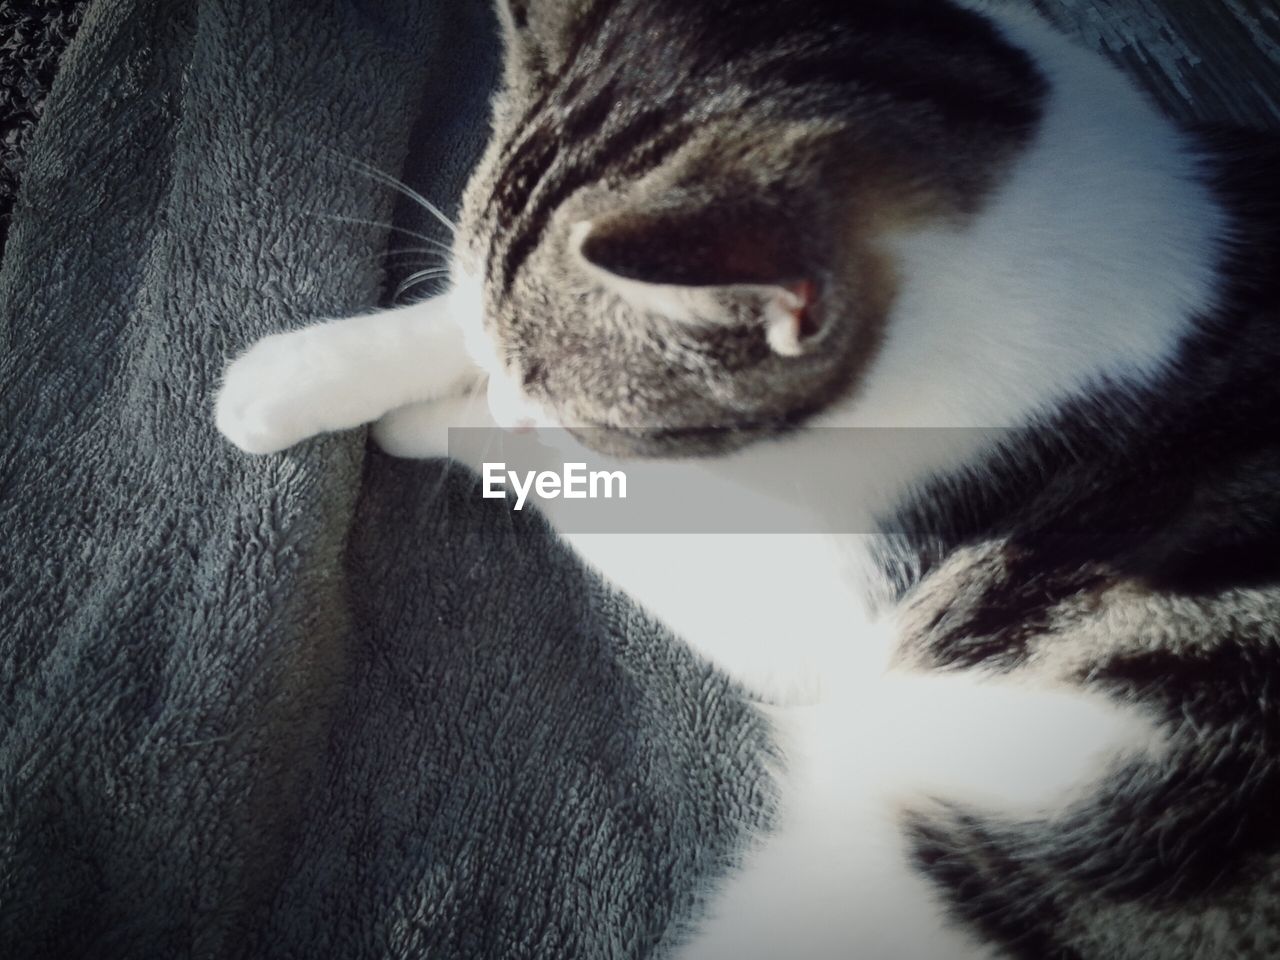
point(343, 373)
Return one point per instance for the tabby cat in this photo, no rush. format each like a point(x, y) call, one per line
point(1028, 712)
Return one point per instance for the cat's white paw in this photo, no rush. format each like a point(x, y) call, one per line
point(286, 388)
point(343, 373)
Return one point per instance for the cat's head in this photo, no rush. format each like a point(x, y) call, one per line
point(677, 225)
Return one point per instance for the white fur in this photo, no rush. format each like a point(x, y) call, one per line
point(1086, 264)
point(344, 373)
point(833, 880)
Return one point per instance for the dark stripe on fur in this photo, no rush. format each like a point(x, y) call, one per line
point(990, 613)
point(993, 894)
point(1178, 486)
point(960, 85)
point(1174, 496)
point(645, 140)
point(810, 60)
point(1185, 825)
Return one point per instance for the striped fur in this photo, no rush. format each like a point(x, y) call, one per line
point(1131, 548)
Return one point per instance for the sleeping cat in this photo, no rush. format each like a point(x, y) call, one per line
point(1029, 711)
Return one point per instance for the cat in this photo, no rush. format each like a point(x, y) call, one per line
point(1028, 710)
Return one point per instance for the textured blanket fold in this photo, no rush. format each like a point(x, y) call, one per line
point(323, 703)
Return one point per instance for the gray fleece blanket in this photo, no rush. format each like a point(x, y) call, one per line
point(327, 703)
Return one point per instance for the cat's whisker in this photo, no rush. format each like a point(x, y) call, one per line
point(400, 254)
point(444, 248)
point(403, 251)
point(382, 224)
point(440, 251)
point(467, 259)
point(420, 277)
point(386, 179)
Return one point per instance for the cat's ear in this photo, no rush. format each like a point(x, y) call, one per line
point(539, 34)
point(709, 246)
point(698, 244)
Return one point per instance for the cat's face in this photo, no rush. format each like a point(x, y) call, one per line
point(677, 224)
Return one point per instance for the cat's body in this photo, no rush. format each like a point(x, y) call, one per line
point(1029, 712)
